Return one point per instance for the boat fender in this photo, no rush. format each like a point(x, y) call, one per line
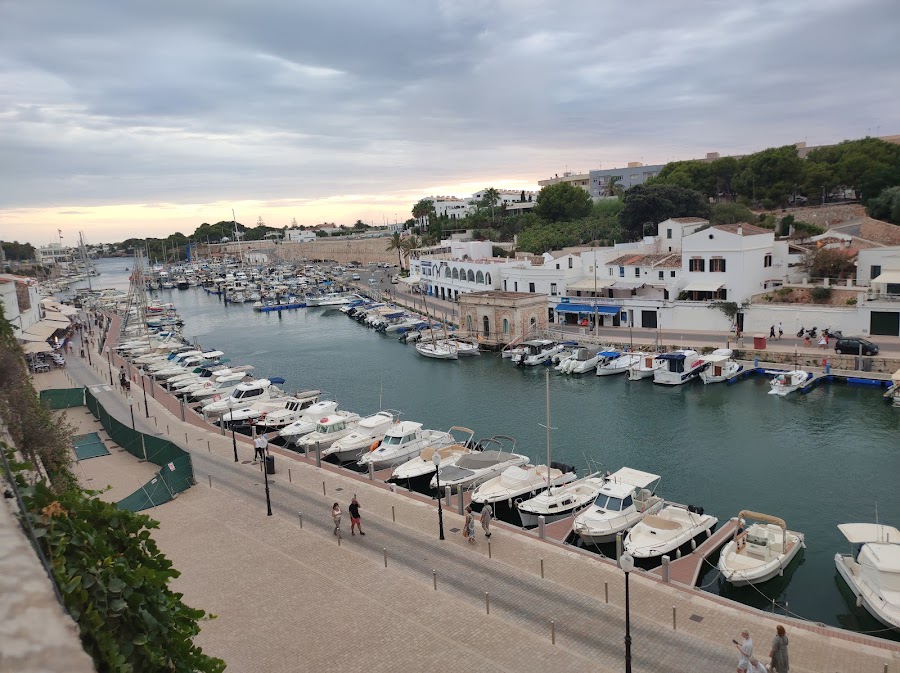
point(375, 445)
point(693, 544)
point(859, 601)
point(678, 553)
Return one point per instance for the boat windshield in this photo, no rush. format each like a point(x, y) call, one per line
point(333, 427)
point(392, 440)
point(609, 503)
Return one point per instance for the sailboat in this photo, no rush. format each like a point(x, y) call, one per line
point(438, 349)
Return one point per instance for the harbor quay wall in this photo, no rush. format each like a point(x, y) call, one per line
point(341, 250)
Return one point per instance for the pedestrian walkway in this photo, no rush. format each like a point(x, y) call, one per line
point(261, 575)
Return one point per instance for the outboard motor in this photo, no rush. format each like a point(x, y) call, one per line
point(695, 509)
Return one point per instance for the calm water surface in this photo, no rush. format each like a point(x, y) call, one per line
point(815, 460)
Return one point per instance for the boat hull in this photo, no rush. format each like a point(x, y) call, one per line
point(873, 608)
point(764, 573)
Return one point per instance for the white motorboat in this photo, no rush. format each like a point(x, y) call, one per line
point(784, 383)
point(667, 530)
point(560, 502)
point(517, 482)
point(307, 421)
point(438, 350)
point(537, 352)
point(872, 569)
point(293, 409)
point(613, 362)
point(474, 468)
point(423, 464)
point(760, 551)
point(218, 388)
point(366, 435)
point(401, 442)
point(330, 299)
point(892, 394)
point(719, 366)
point(329, 430)
point(251, 392)
point(580, 361)
point(625, 497)
point(679, 367)
point(646, 367)
point(248, 415)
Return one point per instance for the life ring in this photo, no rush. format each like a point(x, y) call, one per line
point(375, 445)
point(217, 398)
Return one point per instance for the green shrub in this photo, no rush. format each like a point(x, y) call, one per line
point(820, 294)
point(851, 301)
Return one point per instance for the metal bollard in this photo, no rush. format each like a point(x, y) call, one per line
point(393, 515)
point(542, 521)
point(339, 538)
point(384, 549)
point(210, 480)
point(489, 549)
point(306, 451)
point(434, 578)
point(447, 490)
point(290, 479)
point(300, 516)
point(674, 619)
point(154, 422)
point(552, 632)
point(542, 568)
point(460, 501)
point(208, 447)
point(323, 488)
point(167, 429)
point(487, 603)
point(182, 409)
point(318, 454)
point(618, 546)
point(371, 471)
point(606, 591)
point(665, 568)
point(222, 429)
point(186, 440)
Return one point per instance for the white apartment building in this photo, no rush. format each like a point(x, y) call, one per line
point(21, 301)
point(299, 235)
point(55, 254)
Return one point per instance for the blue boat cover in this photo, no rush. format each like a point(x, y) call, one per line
point(277, 379)
point(671, 356)
point(587, 308)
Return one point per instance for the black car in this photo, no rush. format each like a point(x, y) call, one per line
point(852, 346)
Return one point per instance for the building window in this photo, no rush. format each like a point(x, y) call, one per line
point(610, 271)
point(767, 261)
point(471, 276)
point(531, 287)
point(635, 176)
point(469, 323)
point(487, 279)
point(662, 275)
point(533, 323)
point(479, 278)
point(717, 265)
point(515, 286)
point(621, 272)
point(557, 267)
point(671, 274)
point(552, 289)
point(504, 285)
point(637, 272)
point(487, 326)
point(696, 264)
point(455, 274)
point(874, 271)
point(668, 233)
point(570, 262)
point(505, 326)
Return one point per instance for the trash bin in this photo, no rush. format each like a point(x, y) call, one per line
point(759, 342)
point(270, 464)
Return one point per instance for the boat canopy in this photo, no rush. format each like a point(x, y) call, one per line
point(587, 308)
point(861, 533)
point(756, 516)
point(609, 354)
point(677, 355)
point(627, 475)
point(277, 380)
point(714, 357)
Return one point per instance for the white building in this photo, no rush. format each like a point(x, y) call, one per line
point(299, 235)
point(55, 254)
point(21, 301)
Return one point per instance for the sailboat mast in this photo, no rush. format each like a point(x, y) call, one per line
point(547, 387)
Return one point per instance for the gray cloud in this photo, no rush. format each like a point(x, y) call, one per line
point(104, 102)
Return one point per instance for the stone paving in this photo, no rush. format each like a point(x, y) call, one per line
point(244, 566)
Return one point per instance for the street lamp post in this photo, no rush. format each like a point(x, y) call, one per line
point(436, 459)
point(109, 359)
point(266, 477)
point(626, 562)
point(144, 388)
point(233, 440)
point(131, 409)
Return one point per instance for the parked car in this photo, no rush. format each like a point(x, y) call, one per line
point(855, 345)
point(355, 276)
point(395, 279)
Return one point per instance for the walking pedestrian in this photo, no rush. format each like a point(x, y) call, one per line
point(780, 330)
point(123, 377)
point(745, 648)
point(823, 341)
point(355, 521)
point(487, 514)
point(772, 332)
point(756, 666)
point(469, 528)
point(336, 517)
point(779, 653)
point(261, 446)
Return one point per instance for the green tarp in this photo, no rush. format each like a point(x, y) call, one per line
point(89, 446)
point(63, 398)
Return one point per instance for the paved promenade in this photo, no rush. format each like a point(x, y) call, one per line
point(291, 599)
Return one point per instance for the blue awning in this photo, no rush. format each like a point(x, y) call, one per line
point(587, 308)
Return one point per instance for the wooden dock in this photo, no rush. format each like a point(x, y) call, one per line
point(687, 569)
point(558, 530)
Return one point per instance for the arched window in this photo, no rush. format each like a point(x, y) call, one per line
point(469, 323)
point(533, 323)
point(479, 278)
point(487, 326)
point(446, 272)
point(505, 326)
point(455, 274)
point(487, 279)
point(471, 276)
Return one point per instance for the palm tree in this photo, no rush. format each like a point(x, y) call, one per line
point(396, 242)
point(409, 244)
point(490, 199)
point(614, 186)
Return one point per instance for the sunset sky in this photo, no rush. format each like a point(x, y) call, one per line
point(141, 119)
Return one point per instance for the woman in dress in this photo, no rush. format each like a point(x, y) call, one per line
point(336, 517)
point(470, 525)
point(779, 653)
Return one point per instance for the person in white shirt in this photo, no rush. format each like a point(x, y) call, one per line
point(745, 648)
point(261, 444)
point(756, 666)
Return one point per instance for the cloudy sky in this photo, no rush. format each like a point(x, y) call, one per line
point(143, 118)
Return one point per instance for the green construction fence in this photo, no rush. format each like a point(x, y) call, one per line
point(63, 398)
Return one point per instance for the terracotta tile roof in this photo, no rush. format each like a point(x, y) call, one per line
point(746, 229)
point(687, 220)
point(666, 261)
point(627, 260)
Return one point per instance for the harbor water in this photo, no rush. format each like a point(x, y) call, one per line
point(816, 460)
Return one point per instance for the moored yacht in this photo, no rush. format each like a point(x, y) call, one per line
point(537, 352)
point(365, 436)
point(613, 362)
point(438, 350)
point(719, 366)
point(667, 530)
point(560, 502)
point(517, 482)
point(401, 442)
point(784, 383)
point(329, 430)
point(422, 466)
point(759, 551)
point(680, 367)
point(245, 393)
point(474, 468)
point(580, 361)
point(307, 421)
point(872, 569)
point(625, 497)
point(646, 367)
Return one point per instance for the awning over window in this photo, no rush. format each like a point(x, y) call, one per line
point(891, 277)
point(412, 280)
point(587, 308)
point(44, 328)
point(587, 285)
point(34, 348)
point(628, 284)
point(702, 286)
